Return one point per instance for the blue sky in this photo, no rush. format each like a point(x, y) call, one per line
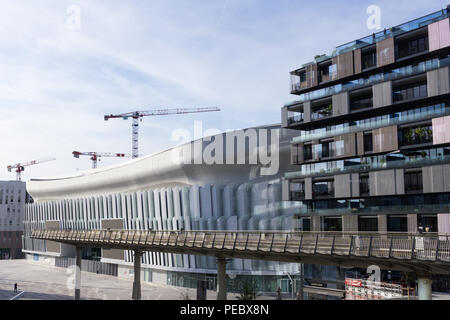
point(57, 83)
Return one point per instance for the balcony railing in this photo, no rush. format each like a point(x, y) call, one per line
point(409, 70)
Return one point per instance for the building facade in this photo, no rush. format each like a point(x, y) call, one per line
point(373, 144)
point(13, 197)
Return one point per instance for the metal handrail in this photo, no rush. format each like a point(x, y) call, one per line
point(410, 246)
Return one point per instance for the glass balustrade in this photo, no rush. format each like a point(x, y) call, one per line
point(424, 112)
point(394, 74)
point(414, 158)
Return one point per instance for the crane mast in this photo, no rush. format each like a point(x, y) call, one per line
point(138, 115)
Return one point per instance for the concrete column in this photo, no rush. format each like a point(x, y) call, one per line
point(137, 276)
point(221, 279)
point(424, 288)
point(78, 274)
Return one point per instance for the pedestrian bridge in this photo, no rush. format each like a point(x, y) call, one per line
point(424, 254)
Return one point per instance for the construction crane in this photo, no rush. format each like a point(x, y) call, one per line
point(21, 166)
point(95, 156)
point(136, 115)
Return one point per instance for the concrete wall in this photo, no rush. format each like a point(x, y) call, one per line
point(342, 186)
point(439, 35)
point(441, 132)
point(307, 111)
point(412, 222)
point(341, 104)
point(349, 223)
point(382, 223)
point(386, 182)
point(443, 222)
point(308, 188)
point(385, 52)
point(382, 94)
point(345, 64)
point(349, 141)
point(159, 276)
point(385, 139)
point(436, 178)
point(438, 82)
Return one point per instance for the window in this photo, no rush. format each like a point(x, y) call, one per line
point(411, 46)
point(364, 186)
point(332, 224)
point(413, 182)
point(397, 223)
point(410, 91)
point(369, 59)
point(297, 190)
point(368, 223)
point(361, 102)
point(323, 188)
point(307, 152)
point(340, 145)
point(368, 142)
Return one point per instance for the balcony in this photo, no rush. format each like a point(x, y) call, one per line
point(294, 118)
point(322, 112)
point(411, 47)
point(361, 103)
point(409, 92)
point(416, 136)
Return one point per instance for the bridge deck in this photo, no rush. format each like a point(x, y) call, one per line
point(423, 253)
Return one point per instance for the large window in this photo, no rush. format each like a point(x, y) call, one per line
point(332, 224)
point(410, 91)
point(323, 188)
point(368, 223)
point(362, 102)
point(413, 182)
point(397, 223)
point(411, 46)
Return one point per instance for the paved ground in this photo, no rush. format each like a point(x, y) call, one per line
point(43, 282)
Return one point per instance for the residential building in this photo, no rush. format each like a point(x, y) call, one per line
point(373, 144)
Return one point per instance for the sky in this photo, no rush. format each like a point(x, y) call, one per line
point(65, 64)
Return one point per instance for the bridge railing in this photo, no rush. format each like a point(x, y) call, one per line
point(427, 247)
